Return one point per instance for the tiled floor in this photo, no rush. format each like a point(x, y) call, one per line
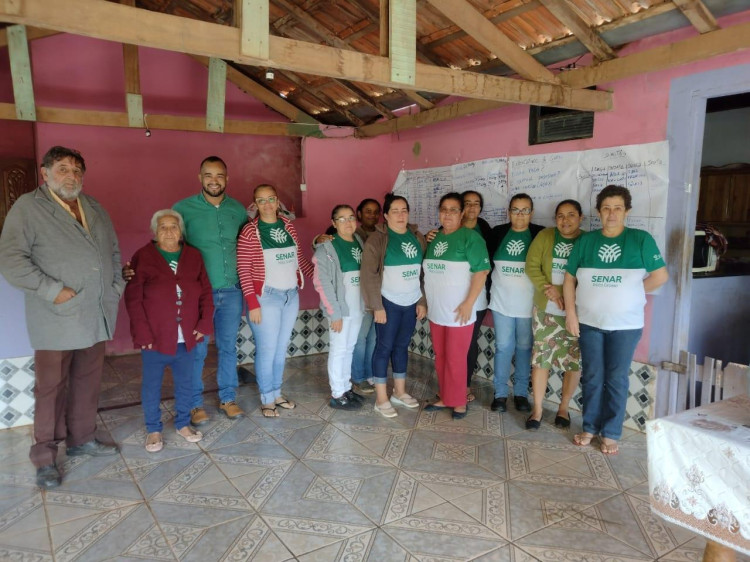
point(321, 485)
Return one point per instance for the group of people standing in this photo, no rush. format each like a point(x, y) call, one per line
point(559, 299)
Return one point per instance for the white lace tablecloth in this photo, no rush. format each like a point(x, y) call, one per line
point(699, 470)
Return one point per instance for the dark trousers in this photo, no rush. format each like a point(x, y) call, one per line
point(471, 358)
point(66, 395)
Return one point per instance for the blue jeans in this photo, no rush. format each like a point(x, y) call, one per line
point(606, 357)
point(512, 335)
point(278, 311)
point(605, 378)
point(228, 305)
point(154, 363)
point(393, 340)
point(363, 350)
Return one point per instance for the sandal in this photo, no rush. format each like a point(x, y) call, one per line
point(154, 443)
point(608, 446)
point(189, 434)
point(269, 412)
point(582, 439)
point(285, 404)
point(470, 397)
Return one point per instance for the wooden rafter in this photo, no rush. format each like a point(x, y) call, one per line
point(254, 29)
point(698, 14)
point(20, 70)
point(133, 25)
point(268, 97)
point(491, 38)
point(157, 122)
point(698, 48)
point(402, 40)
point(419, 100)
point(383, 45)
point(590, 39)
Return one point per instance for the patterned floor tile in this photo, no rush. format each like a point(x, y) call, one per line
point(334, 446)
point(490, 506)
point(374, 546)
point(443, 532)
point(97, 479)
point(508, 553)
point(631, 521)
point(630, 465)
point(307, 513)
point(22, 519)
point(479, 422)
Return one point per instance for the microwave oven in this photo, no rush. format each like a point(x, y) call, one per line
point(704, 255)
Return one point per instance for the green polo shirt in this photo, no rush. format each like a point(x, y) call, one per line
point(213, 230)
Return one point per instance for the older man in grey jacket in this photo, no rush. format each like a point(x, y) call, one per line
point(58, 245)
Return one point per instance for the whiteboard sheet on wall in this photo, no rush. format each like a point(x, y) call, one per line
point(548, 179)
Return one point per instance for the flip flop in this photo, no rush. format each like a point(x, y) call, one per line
point(470, 397)
point(154, 443)
point(582, 439)
point(285, 404)
point(273, 413)
point(608, 446)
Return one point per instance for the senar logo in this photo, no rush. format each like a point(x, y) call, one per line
point(409, 249)
point(563, 249)
point(357, 255)
point(440, 248)
point(515, 247)
point(278, 235)
point(609, 252)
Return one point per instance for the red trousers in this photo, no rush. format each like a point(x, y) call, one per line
point(66, 396)
point(451, 346)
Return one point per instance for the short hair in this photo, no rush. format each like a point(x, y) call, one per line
point(521, 196)
point(58, 153)
point(264, 186)
point(364, 202)
point(211, 160)
point(455, 195)
point(572, 202)
point(614, 191)
point(337, 208)
point(390, 198)
point(472, 192)
point(167, 213)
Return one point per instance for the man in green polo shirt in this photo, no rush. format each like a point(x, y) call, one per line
point(212, 222)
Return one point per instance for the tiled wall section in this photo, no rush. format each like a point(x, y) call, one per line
point(310, 335)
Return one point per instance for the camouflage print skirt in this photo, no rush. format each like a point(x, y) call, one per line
point(554, 347)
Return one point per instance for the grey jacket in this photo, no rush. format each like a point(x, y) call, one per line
point(329, 280)
point(42, 250)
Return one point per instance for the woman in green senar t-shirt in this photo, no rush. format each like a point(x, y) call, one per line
point(607, 277)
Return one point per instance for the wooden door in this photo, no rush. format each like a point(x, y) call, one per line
point(18, 176)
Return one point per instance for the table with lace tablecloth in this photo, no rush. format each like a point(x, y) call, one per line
point(699, 470)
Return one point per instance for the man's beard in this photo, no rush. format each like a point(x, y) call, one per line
point(66, 193)
point(221, 192)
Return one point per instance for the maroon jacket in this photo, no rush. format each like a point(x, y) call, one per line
point(151, 299)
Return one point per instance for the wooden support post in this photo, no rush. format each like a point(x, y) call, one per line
point(402, 25)
point(254, 40)
point(384, 29)
point(133, 97)
point(20, 69)
point(217, 88)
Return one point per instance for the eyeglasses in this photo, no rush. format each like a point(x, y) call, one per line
point(451, 211)
point(517, 211)
point(342, 220)
point(265, 200)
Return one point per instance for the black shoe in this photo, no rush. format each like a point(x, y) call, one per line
point(48, 477)
point(353, 396)
point(434, 408)
point(499, 404)
point(533, 424)
point(522, 403)
point(562, 422)
point(460, 415)
point(94, 448)
point(344, 403)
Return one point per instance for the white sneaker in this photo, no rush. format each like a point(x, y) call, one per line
point(386, 410)
point(405, 400)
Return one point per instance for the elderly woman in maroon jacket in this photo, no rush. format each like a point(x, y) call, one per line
point(171, 308)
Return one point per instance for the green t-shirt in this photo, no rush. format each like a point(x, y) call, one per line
point(610, 273)
point(512, 292)
point(449, 263)
point(279, 255)
point(401, 268)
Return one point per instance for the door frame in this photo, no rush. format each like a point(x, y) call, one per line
point(685, 127)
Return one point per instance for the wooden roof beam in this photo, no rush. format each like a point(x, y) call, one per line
point(698, 14)
point(590, 39)
point(698, 48)
point(20, 70)
point(495, 41)
point(123, 24)
point(422, 102)
point(254, 36)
